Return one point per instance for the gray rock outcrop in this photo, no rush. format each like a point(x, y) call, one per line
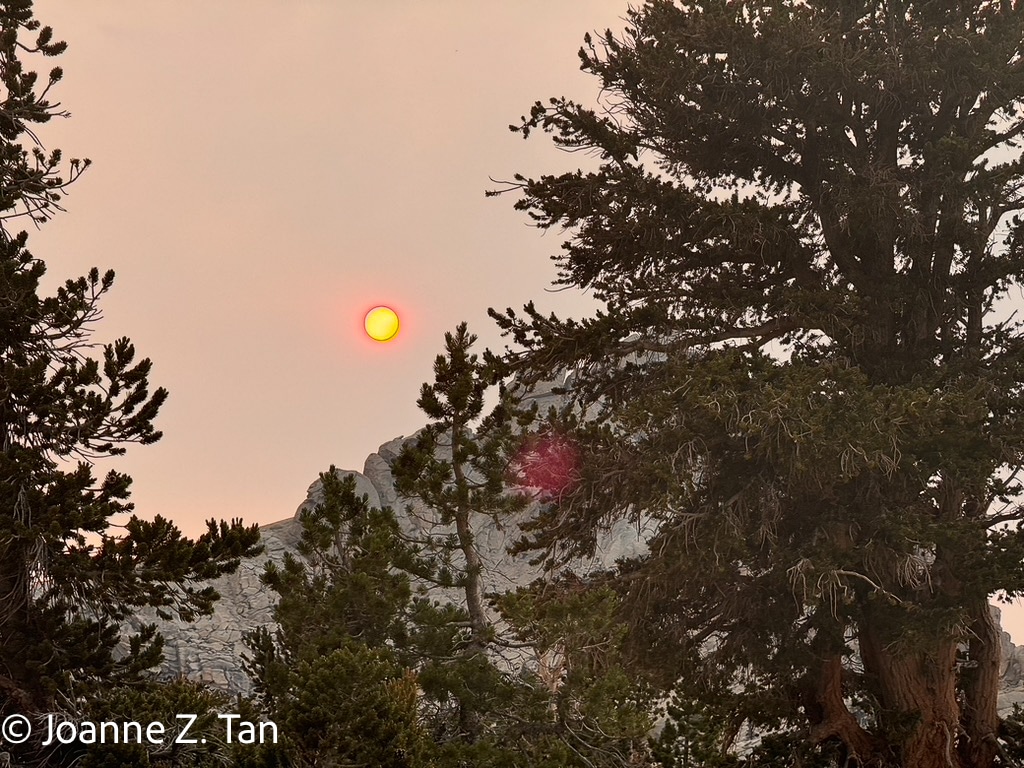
point(210, 649)
point(1011, 671)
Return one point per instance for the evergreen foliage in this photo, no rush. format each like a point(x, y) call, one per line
point(68, 580)
point(802, 225)
point(456, 469)
point(203, 744)
point(359, 637)
point(335, 675)
point(599, 711)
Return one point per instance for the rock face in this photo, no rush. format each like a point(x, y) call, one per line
point(210, 649)
point(1011, 671)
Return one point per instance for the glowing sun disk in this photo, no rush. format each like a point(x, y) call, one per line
point(381, 324)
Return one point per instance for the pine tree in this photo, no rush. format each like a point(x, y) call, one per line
point(67, 580)
point(457, 469)
point(338, 674)
point(203, 745)
point(462, 468)
point(372, 607)
point(802, 227)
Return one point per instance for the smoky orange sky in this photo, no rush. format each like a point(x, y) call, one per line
point(267, 171)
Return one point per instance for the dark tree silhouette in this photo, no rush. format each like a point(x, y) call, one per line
point(802, 224)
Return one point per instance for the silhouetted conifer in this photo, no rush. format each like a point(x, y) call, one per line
point(802, 223)
point(68, 578)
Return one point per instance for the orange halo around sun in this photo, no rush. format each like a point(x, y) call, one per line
point(381, 323)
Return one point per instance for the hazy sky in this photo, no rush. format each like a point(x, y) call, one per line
point(266, 171)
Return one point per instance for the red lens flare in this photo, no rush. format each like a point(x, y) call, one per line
point(548, 464)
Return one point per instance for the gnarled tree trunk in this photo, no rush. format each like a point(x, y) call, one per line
point(916, 690)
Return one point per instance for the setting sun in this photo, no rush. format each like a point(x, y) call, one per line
point(381, 324)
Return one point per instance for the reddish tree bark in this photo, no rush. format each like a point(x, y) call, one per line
point(917, 691)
